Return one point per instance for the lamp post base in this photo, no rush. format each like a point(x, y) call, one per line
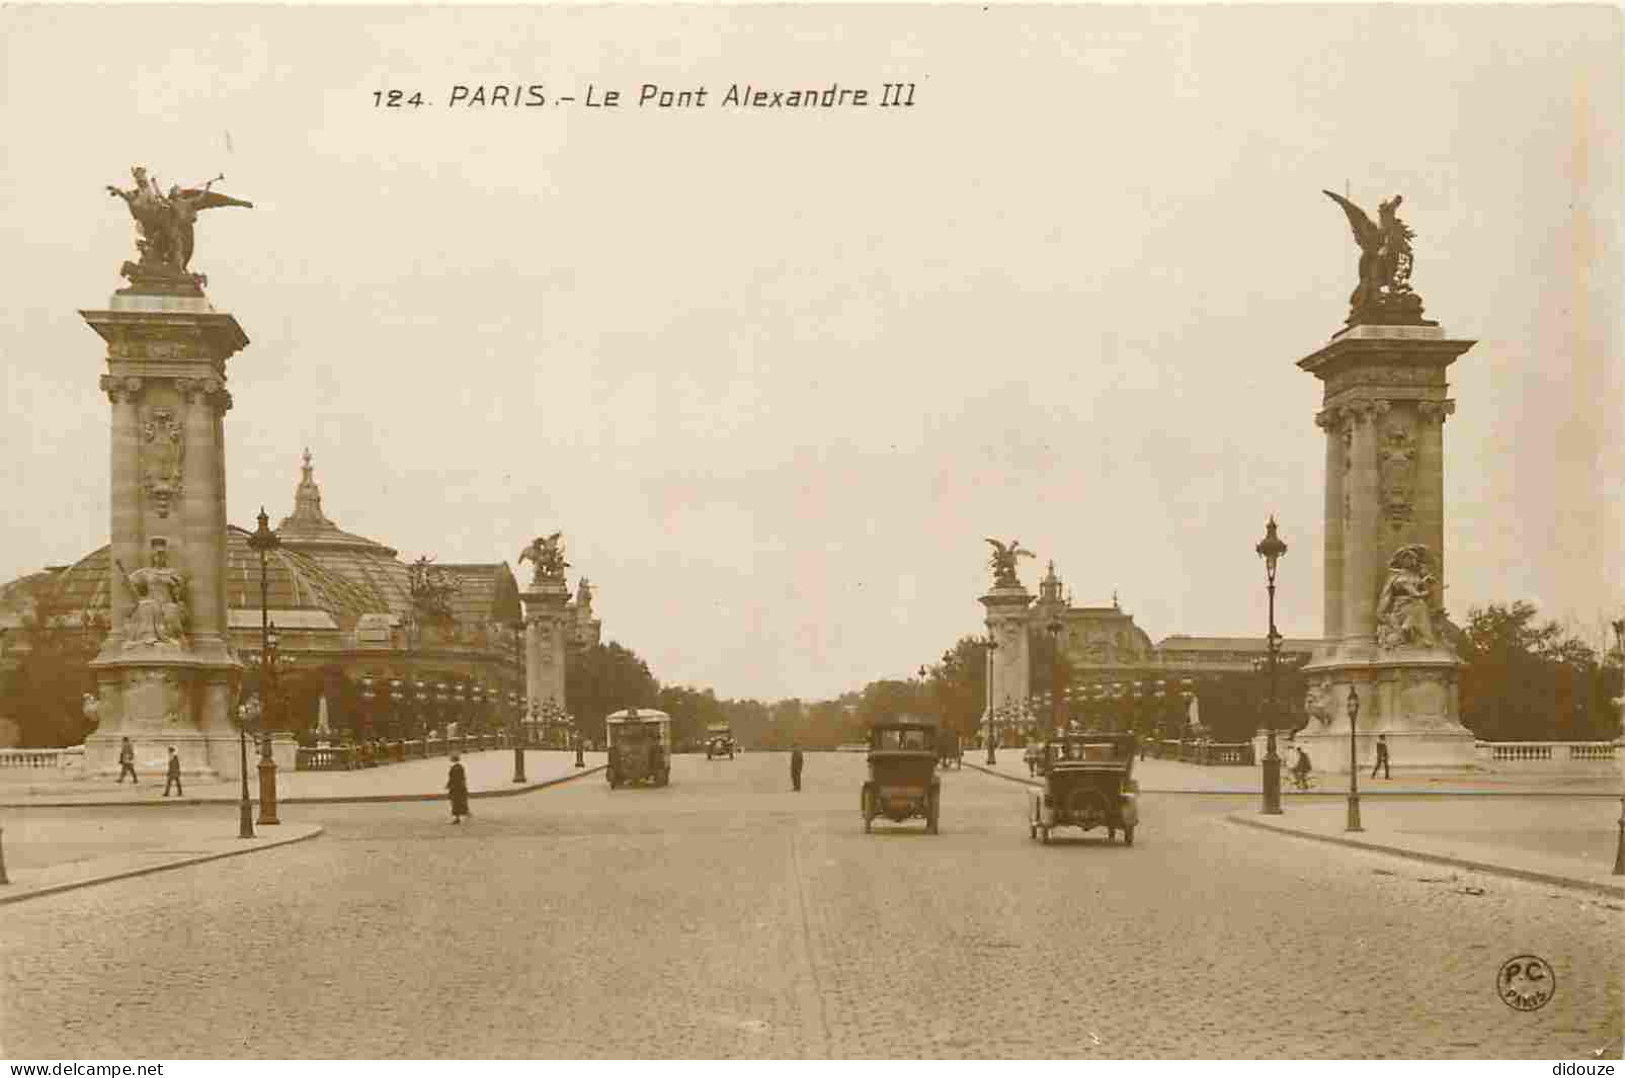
point(1354, 814)
point(519, 764)
point(1272, 784)
point(268, 792)
point(245, 819)
point(1619, 851)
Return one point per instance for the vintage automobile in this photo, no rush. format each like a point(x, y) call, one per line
point(719, 741)
point(903, 781)
point(639, 743)
point(950, 753)
point(1088, 783)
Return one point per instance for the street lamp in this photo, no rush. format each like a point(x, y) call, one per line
point(1354, 769)
point(262, 542)
point(1271, 549)
point(992, 724)
point(1619, 850)
point(270, 711)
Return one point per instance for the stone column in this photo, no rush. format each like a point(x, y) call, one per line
point(1384, 403)
point(1332, 616)
point(1007, 625)
point(172, 685)
point(124, 469)
point(200, 505)
point(547, 620)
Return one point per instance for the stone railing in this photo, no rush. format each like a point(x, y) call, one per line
point(1203, 753)
point(1238, 753)
point(1555, 753)
point(326, 758)
point(349, 756)
point(50, 758)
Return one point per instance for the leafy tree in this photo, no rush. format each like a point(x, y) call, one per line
point(956, 687)
point(603, 679)
point(43, 691)
point(1528, 681)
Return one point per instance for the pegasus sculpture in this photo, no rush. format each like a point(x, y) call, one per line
point(1383, 295)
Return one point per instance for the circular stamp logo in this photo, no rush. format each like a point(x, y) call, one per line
point(1526, 983)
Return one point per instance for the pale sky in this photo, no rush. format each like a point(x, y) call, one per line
point(777, 374)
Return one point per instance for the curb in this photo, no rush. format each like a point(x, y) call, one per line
point(1594, 886)
point(1290, 796)
point(362, 799)
point(147, 870)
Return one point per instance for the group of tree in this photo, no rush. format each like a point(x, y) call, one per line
point(46, 670)
point(1522, 680)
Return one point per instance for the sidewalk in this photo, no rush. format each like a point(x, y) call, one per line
point(490, 774)
point(1172, 777)
point(1570, 843)
point(47, 854)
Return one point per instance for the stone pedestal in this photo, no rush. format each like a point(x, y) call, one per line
point(165, 674)
point(1386, 401)
point(1012, 671)
point(548, 623)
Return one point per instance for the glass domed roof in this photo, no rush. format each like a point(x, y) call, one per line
point(294, 581)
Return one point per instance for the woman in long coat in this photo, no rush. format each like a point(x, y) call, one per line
point(457, 786)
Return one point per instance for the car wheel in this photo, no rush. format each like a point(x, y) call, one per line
point(1128, 835)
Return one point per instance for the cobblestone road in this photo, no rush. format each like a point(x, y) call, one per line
point(726, 916)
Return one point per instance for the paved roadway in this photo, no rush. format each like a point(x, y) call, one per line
point(725, 916)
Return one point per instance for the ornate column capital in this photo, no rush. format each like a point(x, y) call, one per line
point(125, 388)
point(1357, 412)
point(210, 391)
point(1435, 411)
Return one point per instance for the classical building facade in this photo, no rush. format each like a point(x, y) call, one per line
point(1110, 658)
point(366, 651)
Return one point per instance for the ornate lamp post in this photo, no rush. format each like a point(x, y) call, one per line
point(1619, 850)
point(262, 542)
point(992, 723)
point(1271, 549)
point(270, 712)
point(1354, 767)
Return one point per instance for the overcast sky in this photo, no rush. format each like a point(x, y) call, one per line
point(776, 374)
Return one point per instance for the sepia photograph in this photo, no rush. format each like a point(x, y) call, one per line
point(811, 532)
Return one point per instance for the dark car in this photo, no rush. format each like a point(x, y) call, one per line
point(903, 783)
point(1088, 783)
point(949, 751)
point(719, 741)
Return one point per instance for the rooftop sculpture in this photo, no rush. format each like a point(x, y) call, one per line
point(167, 223)
point(1383, 296)
point(547, 554)
point(1003, 562)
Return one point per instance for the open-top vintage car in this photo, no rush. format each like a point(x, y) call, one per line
point(719, 740)
point(639, 747)
point(1088, 783)
point(903, 781)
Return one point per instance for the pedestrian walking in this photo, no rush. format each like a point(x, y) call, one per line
point(457, 786)
point(126, 762)
point(1382, 757)
point(795, 766)
point(173, 776)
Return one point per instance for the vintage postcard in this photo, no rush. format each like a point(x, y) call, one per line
point(811, 532)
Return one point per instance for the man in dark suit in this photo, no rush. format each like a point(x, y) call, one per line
point(174, 778)
point(1382, 757)
point(126, 762)
point(795, 766)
